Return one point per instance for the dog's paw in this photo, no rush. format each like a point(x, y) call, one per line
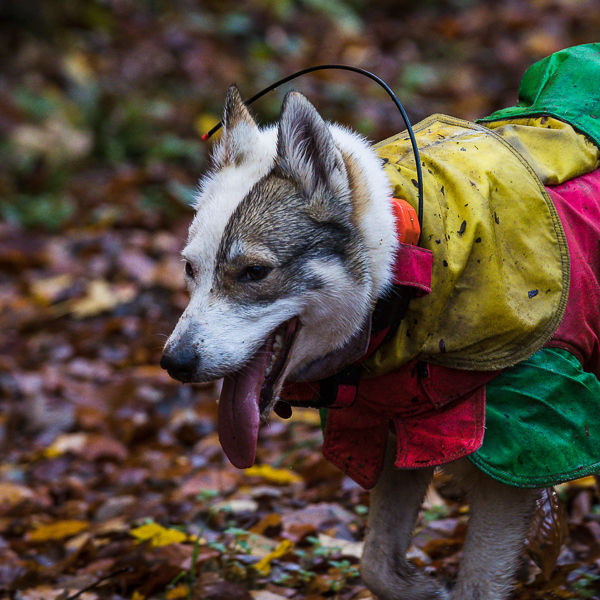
point(417, 586)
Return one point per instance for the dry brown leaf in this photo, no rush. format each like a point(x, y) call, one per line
point(237, 506)
point(270, 521)
point(89, 445)
point(47, 290)
point(345, 547)
point(547, 531)
point(42, 592)
point(12, 494)
point(442, 548)
point(265, 595)
point(220, 481)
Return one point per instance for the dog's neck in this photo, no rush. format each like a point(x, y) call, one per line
point(373, 214)
point(373, 217)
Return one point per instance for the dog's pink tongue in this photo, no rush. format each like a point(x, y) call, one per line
point(239, 416)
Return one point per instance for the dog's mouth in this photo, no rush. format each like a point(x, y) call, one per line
point(249, 394)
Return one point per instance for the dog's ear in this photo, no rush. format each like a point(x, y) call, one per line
point(305, 149)
point(240, 132)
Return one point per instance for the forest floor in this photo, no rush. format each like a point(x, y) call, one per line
point(112, 480)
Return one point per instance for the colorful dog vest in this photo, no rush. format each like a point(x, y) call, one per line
point(514, 309)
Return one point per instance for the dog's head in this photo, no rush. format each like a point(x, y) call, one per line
point(279, 263)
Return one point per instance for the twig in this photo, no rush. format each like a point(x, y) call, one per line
point(98, 582)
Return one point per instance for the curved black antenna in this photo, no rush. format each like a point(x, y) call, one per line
point(376, 79)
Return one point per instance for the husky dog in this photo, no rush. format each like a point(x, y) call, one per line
point(292, 244)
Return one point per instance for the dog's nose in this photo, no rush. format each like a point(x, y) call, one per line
point(181, 364)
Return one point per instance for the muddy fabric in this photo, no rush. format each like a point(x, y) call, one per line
point(555, 151)
point(543, 415)
point(542, 422)
point(501, 268)
point(563, 85)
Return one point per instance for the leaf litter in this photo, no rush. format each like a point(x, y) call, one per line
point(112, 481)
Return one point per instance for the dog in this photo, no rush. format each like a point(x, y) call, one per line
point(291, 247)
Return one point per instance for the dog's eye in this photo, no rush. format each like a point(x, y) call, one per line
point(254, 273)
point(189, 270)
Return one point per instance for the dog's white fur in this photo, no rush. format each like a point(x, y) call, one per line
point(225, 334)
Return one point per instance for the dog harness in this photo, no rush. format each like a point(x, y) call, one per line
point(507, 270)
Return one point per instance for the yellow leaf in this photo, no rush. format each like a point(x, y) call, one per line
point(205, 122)
point(57, 531)
point(158, 535)
point(47, 290)
point(180, 591)
point(310, 416)
point(589, 481)
point(100, 297)
point(278, 476)
point(263, 566)
point(138, 596)
point(66, 442)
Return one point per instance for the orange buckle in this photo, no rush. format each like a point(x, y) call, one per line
point(407, 222)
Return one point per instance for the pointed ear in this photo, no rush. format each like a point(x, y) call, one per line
point(240, 132)
point(305, 149)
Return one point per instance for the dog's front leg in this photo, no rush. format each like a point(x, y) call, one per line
point(395, 503)
point(500, 516)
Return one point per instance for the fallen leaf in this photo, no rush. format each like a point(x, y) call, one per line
point(547, 531)
point(222, 482)
point(57, 531)
point(220, 590)
point(263, 566)
point(42, 592)
point(158, 535)
point(265, 595)
point(277, 476)
point(12, 494)
point(89, 445)
point(66, 442)
point(237, 506)
point(310, 416)
point(345, 547)
point(100, 297)
point(179, 591)
point(442, 548)
point(270, 521)
point(48, 290)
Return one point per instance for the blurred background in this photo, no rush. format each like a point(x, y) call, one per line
point(102, 105)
